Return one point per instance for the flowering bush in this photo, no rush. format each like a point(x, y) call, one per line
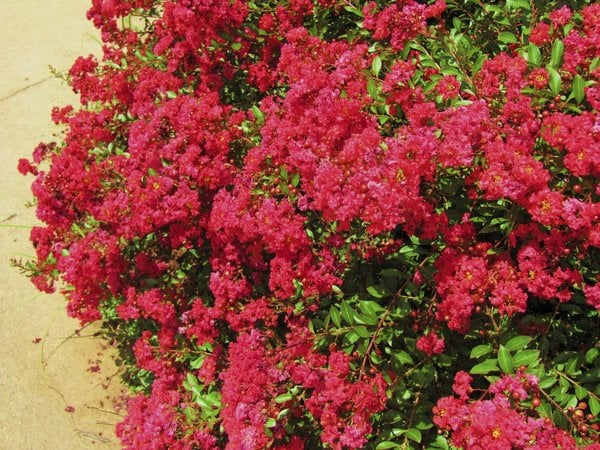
point(334, 223)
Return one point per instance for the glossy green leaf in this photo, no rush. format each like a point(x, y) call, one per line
point(519, 4)
point(353, 10)
point(581, 392)
point(370, 307)
point(534, 56)
point(505, 360)
point(335, 316)
point(373, 89)
point(525, 357)
point(507, 37)
point(440, 442)
point(258, 115)
point(282, 398)
point(270, 423)
point(480, 350)
point(402, 357)
point(547, 382)
point(555, 81)
point(591, 355)
point(414, 435)
point(347, 313)
point(378, 291)
point(517, 343)
point(295, 179)
point(490, 365)
point(578, 88)
point(557, 53)
point(362, 332)
point(376, 65)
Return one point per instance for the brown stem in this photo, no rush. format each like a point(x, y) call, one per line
point(412, 415)
point(558, 407)
point(376, 332)
point(382, 320)
point(572, 381)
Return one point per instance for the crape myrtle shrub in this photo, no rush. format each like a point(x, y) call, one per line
point(335, 223)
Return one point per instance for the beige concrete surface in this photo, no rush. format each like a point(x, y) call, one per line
point(39, 381)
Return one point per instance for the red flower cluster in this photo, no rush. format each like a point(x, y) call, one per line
point(234, 166)
point(497, 423)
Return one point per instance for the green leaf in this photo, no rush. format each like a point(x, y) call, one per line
point(414, 435)
point(591, 355)
point(547, 382)
point(270, 423)
point(347, 312)
point(555, 81)
point(440, 442)
point(370, 307)
point(258, 115)
point(573, 366)
point(525, 357)
point(376, 65)
point(284, 173)
point(351, 337)
point(197, 362)
point(353, 10)
point(594, 405)
point(517, 343)
point(378, 291)
point(505, 360)
point(368, 316)
point(192, 381)
point(479, 63)
point(283, 413)
point(507, 38)
point(545, 409)
point(578, 86)
point(452, 71)
point(402, 357)
point(385, 445)
point(557, 53)
point(282, 398)
point(518, 4)
point(335, 316)
point(534, 56)
point(581, 392)
point(367, 319)
point(296, 179)
point(373, 89)
point(479, 350)
point(362, 332)
point(489, 365)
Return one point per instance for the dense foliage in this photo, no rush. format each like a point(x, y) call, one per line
point(336, 223)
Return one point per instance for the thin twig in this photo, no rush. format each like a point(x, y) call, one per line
point(74, 334)
point(18, 91)
point(107, 411)
point(384, 316)
point(379, 326)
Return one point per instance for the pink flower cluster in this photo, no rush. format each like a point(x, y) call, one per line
point(497, 422)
